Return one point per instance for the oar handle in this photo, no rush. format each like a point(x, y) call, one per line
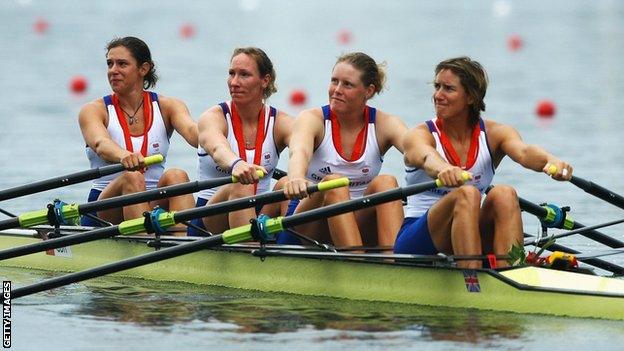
point(329, 184)
point(466, 176)
point(258, 172)
point(153, 159)
point(552, 170)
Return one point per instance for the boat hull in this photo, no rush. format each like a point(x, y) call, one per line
point(523, 290)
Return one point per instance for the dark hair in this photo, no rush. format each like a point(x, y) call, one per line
point(473, 79)
point(141, 53)
point(265, 66)
point(372, 72)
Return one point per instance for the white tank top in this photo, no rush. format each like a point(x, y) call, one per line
point(157, 141)
point(482, 172)
point(326, 159)
point(208, 169)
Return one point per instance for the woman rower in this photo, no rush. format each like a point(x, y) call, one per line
point(452, 220)
point(346, 138)
point(130, 124)
point(241, 137)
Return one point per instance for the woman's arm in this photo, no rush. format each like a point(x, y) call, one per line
point(420, 152)
point(307, 133)
point(92, 120)
point(508, 142)
point(212, 137)
point(179, 117)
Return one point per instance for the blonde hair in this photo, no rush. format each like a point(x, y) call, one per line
point(372, 72)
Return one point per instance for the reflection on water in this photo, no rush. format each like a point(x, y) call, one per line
point(213, 309)
point(156, 310)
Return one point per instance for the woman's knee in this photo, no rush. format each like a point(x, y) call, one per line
point(468, 196)
point(336, 194)
point(173, 176)
point(132, 182)
point(238, 190)
point(280, 183)
point(503, 197)
point(381, 183)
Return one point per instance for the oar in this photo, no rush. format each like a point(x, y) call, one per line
point(69, 179)
point(163, 220)
point(600, 254)
point(571, 232)
point(594, 189)
point(65, 213)
point(261, 230)
point(596, 262)
point(562, 220)
point(547, 213)
point(598, 191)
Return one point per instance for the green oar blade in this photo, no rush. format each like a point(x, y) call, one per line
point(68, 179)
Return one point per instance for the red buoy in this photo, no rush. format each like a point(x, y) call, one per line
point(298, 97)
point(187, 31)
point(78, 84)
point(345, 37)
point(41, 25)
point(514, 42)
point(545, 109)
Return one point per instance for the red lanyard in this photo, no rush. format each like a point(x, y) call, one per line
point(449, 150)
point(147, 121)
point(237, 125)
point(360, 141)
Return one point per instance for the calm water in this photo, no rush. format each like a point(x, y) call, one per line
point(572, 55)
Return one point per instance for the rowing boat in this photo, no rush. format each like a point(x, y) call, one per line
point(313, 271)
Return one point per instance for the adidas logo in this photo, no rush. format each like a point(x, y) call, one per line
point(325, 170)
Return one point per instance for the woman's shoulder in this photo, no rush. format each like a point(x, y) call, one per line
point(95, 106)
point(387, 120)
point(169, 101)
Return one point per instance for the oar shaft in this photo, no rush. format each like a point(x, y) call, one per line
point(607, 266)
point(579, 230)
point(68, 179)
point(235, 205)
point(595, 235)
point(55, 243)
point(119, 266)
point(356, 204)
point(598, 191)
point(596, 262)
point(601, 253)
point(154, 194)
point(58, 182)
point(177, 217)
point(9, 223)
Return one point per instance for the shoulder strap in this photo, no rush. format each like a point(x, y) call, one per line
point(225, 108)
